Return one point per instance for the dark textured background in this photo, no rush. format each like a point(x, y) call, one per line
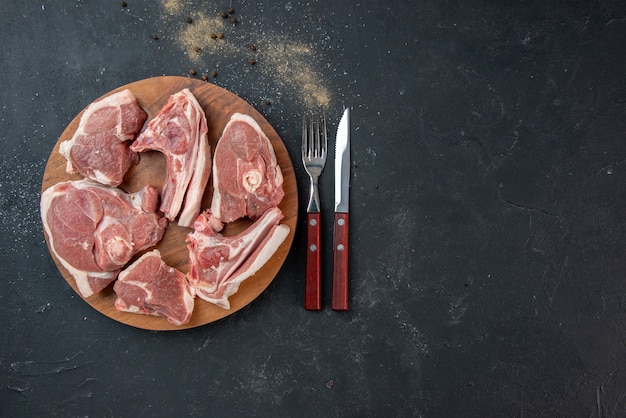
point(487, 224)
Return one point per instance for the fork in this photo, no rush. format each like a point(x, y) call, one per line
point(314, 149)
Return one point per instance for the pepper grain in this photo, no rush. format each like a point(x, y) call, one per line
point(192, 71)
point(213, 74)
point(230, 10)
point(251, 61)
point(123, 4)
point(155, 37)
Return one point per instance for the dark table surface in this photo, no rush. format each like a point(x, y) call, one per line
point(488, 210)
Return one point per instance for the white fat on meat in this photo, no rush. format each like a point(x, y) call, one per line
point(149, 286)
point(218, 264)
point(99, 149)
point(179, 131)
point(247, 180)
point(93, 230)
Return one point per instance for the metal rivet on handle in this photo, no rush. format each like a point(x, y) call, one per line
point(340, 247)
point(313, 247)
point(340, 222)
point(313, 222)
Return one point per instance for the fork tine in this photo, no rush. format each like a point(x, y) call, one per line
point(305, 139)
point(325, 135)
point(316, 137)
point(312, 139)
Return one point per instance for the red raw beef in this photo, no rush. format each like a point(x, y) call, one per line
point(179, 131)
point(218, 264)
point(151, 287)
point(247, 180)
point(94, 229)
point(99, 149)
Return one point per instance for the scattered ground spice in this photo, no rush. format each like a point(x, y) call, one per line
point(192, 71)
point(155, 37)
point(172, 7)
point(230, 10)
point(123, 4)
point(288, 66)
point(292, 65)
point(204, 77)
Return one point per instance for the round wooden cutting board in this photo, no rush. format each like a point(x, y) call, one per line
point(218, 105)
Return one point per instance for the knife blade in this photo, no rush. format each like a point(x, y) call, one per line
point(339, 300)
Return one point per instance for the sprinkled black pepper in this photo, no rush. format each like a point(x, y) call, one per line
point(123, 4)
point(213, 74)
point(197, 49)
point(204, 77)
point(233, 20)
point(253, 48)
point(224, 15)
point(192, 71)
point(155, 37)
point(251, 61)
point(266, 102)
point(214, 36)
point(189, 19)
point(220, 35)
point(230, 10)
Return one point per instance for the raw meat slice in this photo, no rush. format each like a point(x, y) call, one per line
point(151, 287)
point(218, 264)
point(247, 180)
point(94, 230)
point(179, 132)
point(199, 179)
point(99, 149)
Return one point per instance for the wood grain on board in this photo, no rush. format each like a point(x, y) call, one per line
point(219, 105)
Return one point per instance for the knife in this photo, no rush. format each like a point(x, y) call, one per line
point(339, 301)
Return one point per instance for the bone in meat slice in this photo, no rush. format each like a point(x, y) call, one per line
point(195, 191)
point(219, 264)
point(179, 132)
point(247, 180)
point(94, 230)
point(99, 149)
point(149, 286)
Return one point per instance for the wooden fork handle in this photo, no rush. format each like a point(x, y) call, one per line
point(340, 263)
point(313, 279)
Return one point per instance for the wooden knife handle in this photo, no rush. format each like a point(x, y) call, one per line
point(313, 280)
point(340, 263)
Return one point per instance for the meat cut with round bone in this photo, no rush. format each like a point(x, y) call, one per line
point(94, 230)
point(247, 180)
